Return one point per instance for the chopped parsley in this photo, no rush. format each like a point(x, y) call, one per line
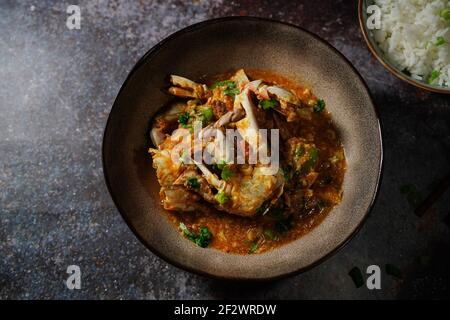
point(445, 13)
point(202, 239)
point(221, 165)
point(222, 198)
point(193, 183)
point(183, 119)
point(226, 173)
point(439, 41)
point(207, 115)
point(268, 104)
point(230, 90)
point(433, 76)
point(320, 105)
point(224, 83)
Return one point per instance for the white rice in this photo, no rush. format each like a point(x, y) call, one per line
point(408, 35)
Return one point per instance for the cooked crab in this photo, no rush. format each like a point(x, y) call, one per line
point(241, 189)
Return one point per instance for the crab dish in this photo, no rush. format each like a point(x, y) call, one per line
point(247, 161)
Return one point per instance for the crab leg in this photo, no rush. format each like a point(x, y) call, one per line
point(186, 88)
point(284, 95)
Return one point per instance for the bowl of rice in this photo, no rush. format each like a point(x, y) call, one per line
point(411, 38)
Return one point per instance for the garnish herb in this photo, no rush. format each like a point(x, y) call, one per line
point(226, 173)
point(267, 104)
point(253, 247)
point(207, 115)
point(202, 239)
point(183, 119)
point(445, 14)
point(224, 83)
point(221, 165)
point(222, 198)
point(439, 41)
point(433, 76)
point(320, 105)
point(356, 276)
point(393, 270)
point(230, 90)
point(193, 183)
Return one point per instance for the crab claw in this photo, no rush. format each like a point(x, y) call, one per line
point(186, 88)
point(284, 95)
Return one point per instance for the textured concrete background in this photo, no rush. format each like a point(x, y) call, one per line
point(56, 89)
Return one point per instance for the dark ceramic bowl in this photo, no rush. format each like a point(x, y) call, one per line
point(214, 47)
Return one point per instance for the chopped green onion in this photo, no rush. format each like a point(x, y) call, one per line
point(186, 231)
point(226, 173)
point(224, 83)
point(357, 277)
point(433, 76)
point(445, 14)
point(267, 104)
point(207, 115)
point(230, 90)
point(393, 270)
point(320, 105)
point(222, 198)
point(221, 165)
point(202, 239)
point(253, 247)
point(193, 183)
point(439, 41)
point(183, 118)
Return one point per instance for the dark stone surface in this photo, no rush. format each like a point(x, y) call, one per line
point(57, 87)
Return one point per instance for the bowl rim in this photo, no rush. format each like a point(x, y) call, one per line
point(204, 273)
point(388, 64)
